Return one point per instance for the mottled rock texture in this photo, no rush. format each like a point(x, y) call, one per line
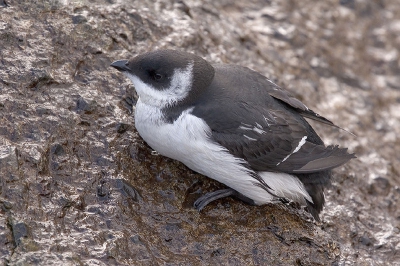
point(78, 186)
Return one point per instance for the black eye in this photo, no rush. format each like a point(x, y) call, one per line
point(154, 75)
point(157, 76)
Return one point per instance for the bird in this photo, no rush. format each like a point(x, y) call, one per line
point(234, 125)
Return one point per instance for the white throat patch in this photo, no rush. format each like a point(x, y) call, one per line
point(180, 86)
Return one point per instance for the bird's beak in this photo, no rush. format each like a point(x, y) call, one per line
point(121, 65)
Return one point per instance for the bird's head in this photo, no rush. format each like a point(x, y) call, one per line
point(163, 78)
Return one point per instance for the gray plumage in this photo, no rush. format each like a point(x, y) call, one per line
point(251, 117)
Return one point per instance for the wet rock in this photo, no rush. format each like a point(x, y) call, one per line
point(127, 189)
point(122, 128)
point(8, 157)
point(129, 103)
point(366, 241)
point(379, 186)
point(57, 149)
point(5, 240)
point(136, 239)
point(3, 3)
point(86, 106)
point(31, 153)
point(185, 8)
point(19, 231)
point(348, 3)
point(39, 79)
point(393, 82)
point(218, 252)
point(103, 189)
point(94, 193)
point(78, 19)
point(7, 205)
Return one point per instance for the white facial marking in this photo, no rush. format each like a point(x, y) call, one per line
point(301, 143)
point(180, 86)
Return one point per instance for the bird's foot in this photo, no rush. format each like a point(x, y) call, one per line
point(204, 200)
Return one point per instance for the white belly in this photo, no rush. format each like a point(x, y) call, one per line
point(187, 140)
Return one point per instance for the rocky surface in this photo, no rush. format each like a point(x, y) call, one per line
point(78, 186)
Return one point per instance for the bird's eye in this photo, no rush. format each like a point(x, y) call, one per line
point(154, 75)
point(157, 76)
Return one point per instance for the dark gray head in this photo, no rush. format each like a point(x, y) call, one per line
point(166, 77)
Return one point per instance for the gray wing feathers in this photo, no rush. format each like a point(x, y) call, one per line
point(301, 108)
point(314, 158)
point(266, 127)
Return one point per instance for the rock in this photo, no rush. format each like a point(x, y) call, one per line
point(78, 19)
point(122, 127)
point(3, 3)
point(8, 157)
point(19, 231)
point(86, 106)
point(57, 149)
point(93, 192)
point(379, 186)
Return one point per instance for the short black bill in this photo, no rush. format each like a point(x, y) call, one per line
point(121, 65)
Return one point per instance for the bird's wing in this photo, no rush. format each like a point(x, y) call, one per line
point(287, 98)
point(275, 142)
point(270, 134)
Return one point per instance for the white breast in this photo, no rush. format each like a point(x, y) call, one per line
point(187, 140)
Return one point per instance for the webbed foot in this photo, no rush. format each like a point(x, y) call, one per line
point(207, 198)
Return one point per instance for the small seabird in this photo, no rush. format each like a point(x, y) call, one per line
point(233, 125)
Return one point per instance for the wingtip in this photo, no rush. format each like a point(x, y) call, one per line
point(347, 131)
point(337, 157)
point(314, 116)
